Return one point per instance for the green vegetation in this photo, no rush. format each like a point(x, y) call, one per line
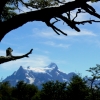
point(77, 89)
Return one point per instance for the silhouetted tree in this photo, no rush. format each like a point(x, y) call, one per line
point(94, 82)
point(77, 89)
point(5, 91)
point(24, 91)
point(45, 10)
point(37, 96)
point(53, 91)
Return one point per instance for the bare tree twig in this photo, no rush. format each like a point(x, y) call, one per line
point(86, 21)
point(79, 11)
point(69, 22)
point(55, 28)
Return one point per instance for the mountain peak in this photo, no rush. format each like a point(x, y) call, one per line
point(53, 65)
point(20, 67)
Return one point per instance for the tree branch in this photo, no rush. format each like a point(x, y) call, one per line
point(45, 15)
point(89, 9)
point(79, 11)
point(55, 28)
point(86, 21)
point(39, 15)
point(69, 22)
point(10, 58)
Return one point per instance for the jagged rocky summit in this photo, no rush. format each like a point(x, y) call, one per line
point(38, 76)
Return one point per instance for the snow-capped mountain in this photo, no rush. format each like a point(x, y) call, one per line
point(37, 76)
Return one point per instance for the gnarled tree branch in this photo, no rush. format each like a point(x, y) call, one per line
point(39, 15)
point(46, 14)
point(4, 59)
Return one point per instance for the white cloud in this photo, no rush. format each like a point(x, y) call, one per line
point(33, 61)
point(52, 35)
point(56, 45)
point(9, 43)
point(43, 51)
point(80, 17)
point(63, 45)
point(82, 33)
point(49, 34)
point(46, 52)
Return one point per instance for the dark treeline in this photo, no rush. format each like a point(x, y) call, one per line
point(77, 89)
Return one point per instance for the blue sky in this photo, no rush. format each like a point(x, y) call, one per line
point(76, 52)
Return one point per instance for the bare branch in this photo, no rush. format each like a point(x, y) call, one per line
point(39, 15)
point(69, 22)
point(46, 14)
point(55, 21)
point(79, 11)
point(68, 14)
point(89, 9)
point(55, 28)
point(87, 21)
point(4, 59)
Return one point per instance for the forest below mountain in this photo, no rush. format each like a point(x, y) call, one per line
point(77, 89)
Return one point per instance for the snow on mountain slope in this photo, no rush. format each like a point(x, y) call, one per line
point(37, 76)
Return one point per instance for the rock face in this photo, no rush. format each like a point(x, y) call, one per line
point(38, 76)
